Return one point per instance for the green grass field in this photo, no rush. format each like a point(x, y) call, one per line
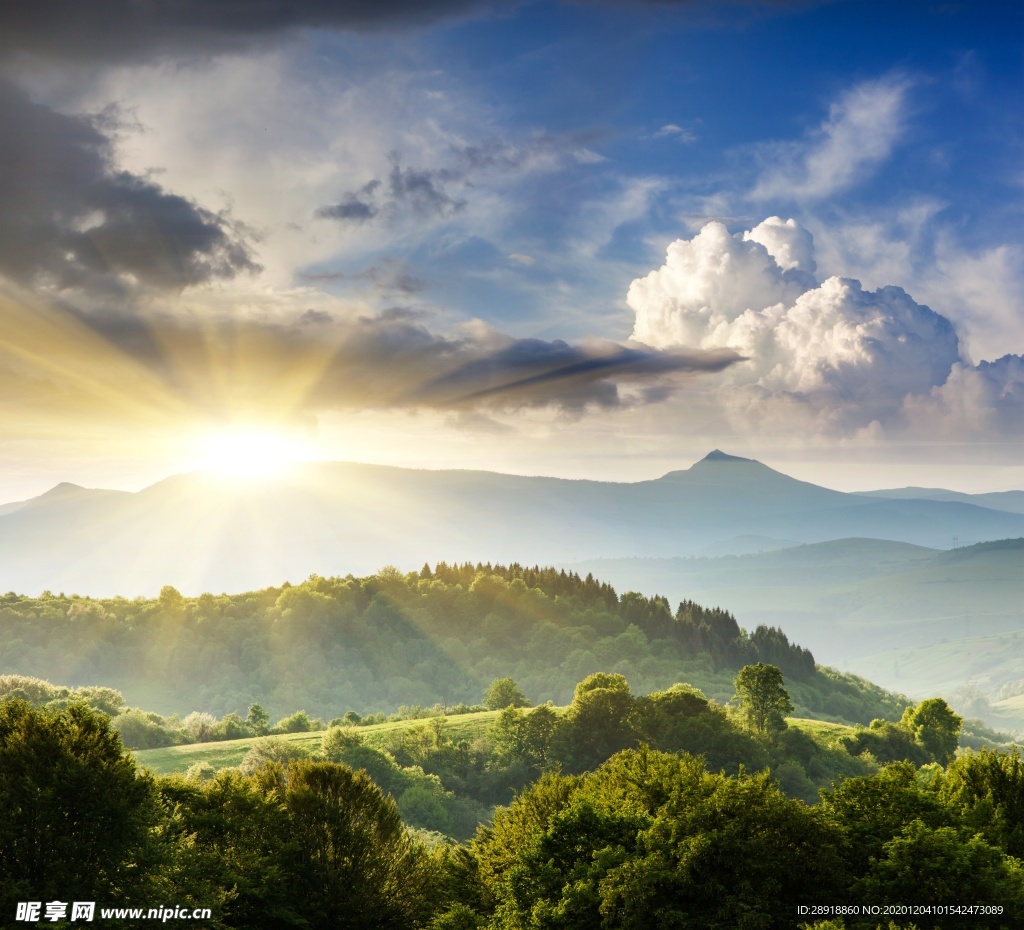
point(822, 731)
point(228, 753)
point(231, 752)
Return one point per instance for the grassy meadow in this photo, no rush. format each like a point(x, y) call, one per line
point(227, 753)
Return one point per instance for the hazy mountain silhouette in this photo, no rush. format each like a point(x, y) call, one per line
point(201, 532)
point(1010, 501)
point(912, 619)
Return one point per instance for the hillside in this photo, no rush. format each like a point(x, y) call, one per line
point(201, 533)
point(857, 603)
point(442, 635)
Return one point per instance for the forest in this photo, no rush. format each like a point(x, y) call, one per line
point(692, 774)
point(372, 644)
point(642, 839)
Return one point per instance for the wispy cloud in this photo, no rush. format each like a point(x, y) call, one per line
point(419, 191)
point(862, 128)
point(674, 131)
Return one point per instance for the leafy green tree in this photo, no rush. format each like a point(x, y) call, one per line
point(661, 714)
point(763, 700)
point(936, 727)
point(258, 720)
point(140, 730)
point(497, 847)
point(873, 809)
point(458, 917)
point(421, 805)
point(600, 720)
point(75, 815)
point(887, 742)
point(721, 852)
point(336, 740)
point(105, 700)
point(682, 718)
point(298, 722)
point(353, 862)
point(986, 787)
point(200, 771)
point(525, 736)
point(270, 749)
point(504, 692)
point(556, 880)
point(237, 841)
point(507, 734)
point(171, 600)
point(654, 840)
point(199, 726)
point(540, 728)
point(231, 726)
point(924, 865)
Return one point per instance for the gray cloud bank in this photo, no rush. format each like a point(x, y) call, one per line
point(70, 218)
point(391, 361)
point(127, 30)
point(104, 31)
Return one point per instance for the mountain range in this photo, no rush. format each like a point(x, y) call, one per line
point(918, 589)
point(202, 532)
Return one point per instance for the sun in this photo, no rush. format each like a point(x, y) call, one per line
point(249, 454)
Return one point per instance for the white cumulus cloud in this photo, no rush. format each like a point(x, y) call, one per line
point(845, 357)
point(975, 402)
point(707, 281)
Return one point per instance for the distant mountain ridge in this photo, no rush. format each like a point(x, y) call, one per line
point(200, 532)
point(917, 620)
point(1010, 501)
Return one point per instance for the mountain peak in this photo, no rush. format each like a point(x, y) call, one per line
point(717, 455)
point(64, 489)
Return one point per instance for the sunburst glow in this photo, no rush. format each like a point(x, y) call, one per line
point(250, 455)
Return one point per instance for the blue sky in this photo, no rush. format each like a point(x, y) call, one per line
point(435, 235)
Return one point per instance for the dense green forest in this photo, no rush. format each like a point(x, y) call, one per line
point(373, 644)
point(644, 839)
point(448, 771)
point(631, 803)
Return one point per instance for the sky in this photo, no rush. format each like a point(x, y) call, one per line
point(587, 239)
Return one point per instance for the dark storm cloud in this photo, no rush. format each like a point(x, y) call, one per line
point(127, 30)
point(70, 218)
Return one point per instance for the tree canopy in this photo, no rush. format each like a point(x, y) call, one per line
point(762, 698)
point(504, 692)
